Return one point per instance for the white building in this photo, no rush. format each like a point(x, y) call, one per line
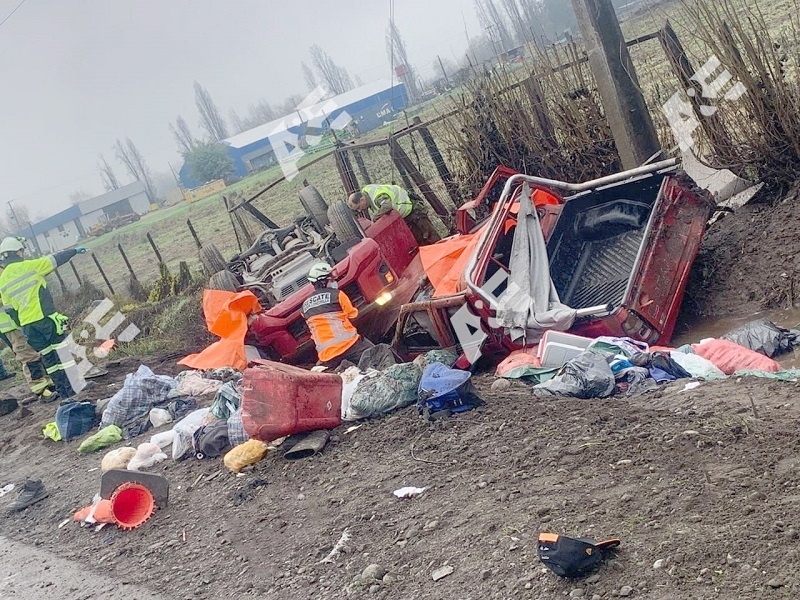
point(64, 229)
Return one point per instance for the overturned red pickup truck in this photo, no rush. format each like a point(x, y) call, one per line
point(618, 255)
point(619, 251)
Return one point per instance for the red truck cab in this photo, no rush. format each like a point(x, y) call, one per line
point(379, 272)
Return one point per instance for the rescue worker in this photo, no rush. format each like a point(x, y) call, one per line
point(32, 367)
point(23, 288)
point(328, 313)
point(379, 199)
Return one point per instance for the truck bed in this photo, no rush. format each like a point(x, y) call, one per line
point(595, 245)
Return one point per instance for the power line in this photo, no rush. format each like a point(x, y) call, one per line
point(11, 14)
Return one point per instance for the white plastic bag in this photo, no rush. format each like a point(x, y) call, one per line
point(697, 366)
point(184, 430)
point(159, 417)
point(147, 455)
point(350, 380)
point(163, 439)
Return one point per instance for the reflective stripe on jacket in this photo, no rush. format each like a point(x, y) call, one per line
point(397, 196)
point(328, 312)
point(7, 323)
point(23, 288)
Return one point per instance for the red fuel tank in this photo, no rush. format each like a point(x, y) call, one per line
point(280, 400)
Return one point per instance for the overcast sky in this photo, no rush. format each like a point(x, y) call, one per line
point(78, 74)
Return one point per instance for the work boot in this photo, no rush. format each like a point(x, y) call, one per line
point(32, 492)
point(48, 395)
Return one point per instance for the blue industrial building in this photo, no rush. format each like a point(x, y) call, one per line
point(364, 108)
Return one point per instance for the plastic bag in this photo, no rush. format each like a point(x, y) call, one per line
point(697, 366)
point(147, 455)
point(764, 337)
point(244, 455)
point(395, 388)
point(117, 459)
point(103, 438)
point(730, 357)
point(160, 416)
point(350, 380)
point(184, 430)
point(585, 376)
point(163, 439)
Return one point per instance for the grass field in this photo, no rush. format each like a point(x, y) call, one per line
point(170, 232)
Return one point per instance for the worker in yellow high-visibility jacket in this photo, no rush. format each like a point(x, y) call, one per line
point(32, 367)
point(23, 288)
point(378, 199)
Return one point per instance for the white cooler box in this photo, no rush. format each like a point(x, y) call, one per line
point(558, 348)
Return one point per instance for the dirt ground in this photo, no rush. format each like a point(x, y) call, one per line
point(701, 486)
point(750, 261)
point(693, 479)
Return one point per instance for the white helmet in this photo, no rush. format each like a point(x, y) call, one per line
point(11, 244)
point(319, 272)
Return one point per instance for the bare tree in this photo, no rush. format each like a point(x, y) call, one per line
point(397, 53)
point(514, 12)
point(128, 154)
point(290, 105)
point(308, 75)
point(79, 196)
point(496, 25)
point(107, 175)
point(331, 75)
point(183, 135)
point(210, 118)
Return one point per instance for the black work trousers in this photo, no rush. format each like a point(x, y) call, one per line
point(43, 337)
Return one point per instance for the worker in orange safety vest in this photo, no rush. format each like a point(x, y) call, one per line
point(328, 313)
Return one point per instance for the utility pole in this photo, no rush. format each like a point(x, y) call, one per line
point(441, 64)
point(614, 73)
point(14, 214)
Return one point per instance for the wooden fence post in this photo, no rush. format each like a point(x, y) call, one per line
point(103, 273)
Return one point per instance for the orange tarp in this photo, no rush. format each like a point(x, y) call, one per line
point(446, 261)
point(226, 316)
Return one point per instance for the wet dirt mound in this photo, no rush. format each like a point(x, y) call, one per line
point(750, 261)
point(694, 480)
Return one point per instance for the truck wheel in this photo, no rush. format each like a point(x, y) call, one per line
point(223, 280)
point(343, 222)
point(212, 259)
point(315, 205)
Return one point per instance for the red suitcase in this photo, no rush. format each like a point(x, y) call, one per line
point(279, 400)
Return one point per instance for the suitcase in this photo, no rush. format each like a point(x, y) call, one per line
point(280, 400)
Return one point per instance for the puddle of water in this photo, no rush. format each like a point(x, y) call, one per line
point(692, 333)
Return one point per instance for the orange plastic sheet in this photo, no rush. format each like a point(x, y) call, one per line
point(446, 261)
point(226, 316)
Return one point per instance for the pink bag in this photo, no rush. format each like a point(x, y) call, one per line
point(730, 357)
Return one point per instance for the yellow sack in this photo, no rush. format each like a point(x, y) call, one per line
point(245, 455)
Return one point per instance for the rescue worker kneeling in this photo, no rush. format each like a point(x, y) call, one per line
point(23, 289)
point(328, 313)
point(379, 199)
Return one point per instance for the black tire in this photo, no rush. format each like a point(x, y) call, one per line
point(315, 205)
point(343, 222)
point(223, 280)
point(212, 259)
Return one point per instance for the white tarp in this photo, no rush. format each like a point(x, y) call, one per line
point(530, 305)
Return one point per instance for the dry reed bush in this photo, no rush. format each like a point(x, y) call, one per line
point(546, 122)
point(762, 128)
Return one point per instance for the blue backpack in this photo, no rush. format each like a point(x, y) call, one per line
point(73, 419)
point(443, 391)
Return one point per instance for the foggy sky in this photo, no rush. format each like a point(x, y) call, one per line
point(78, 74)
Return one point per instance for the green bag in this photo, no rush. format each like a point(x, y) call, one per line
point(103, 438)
